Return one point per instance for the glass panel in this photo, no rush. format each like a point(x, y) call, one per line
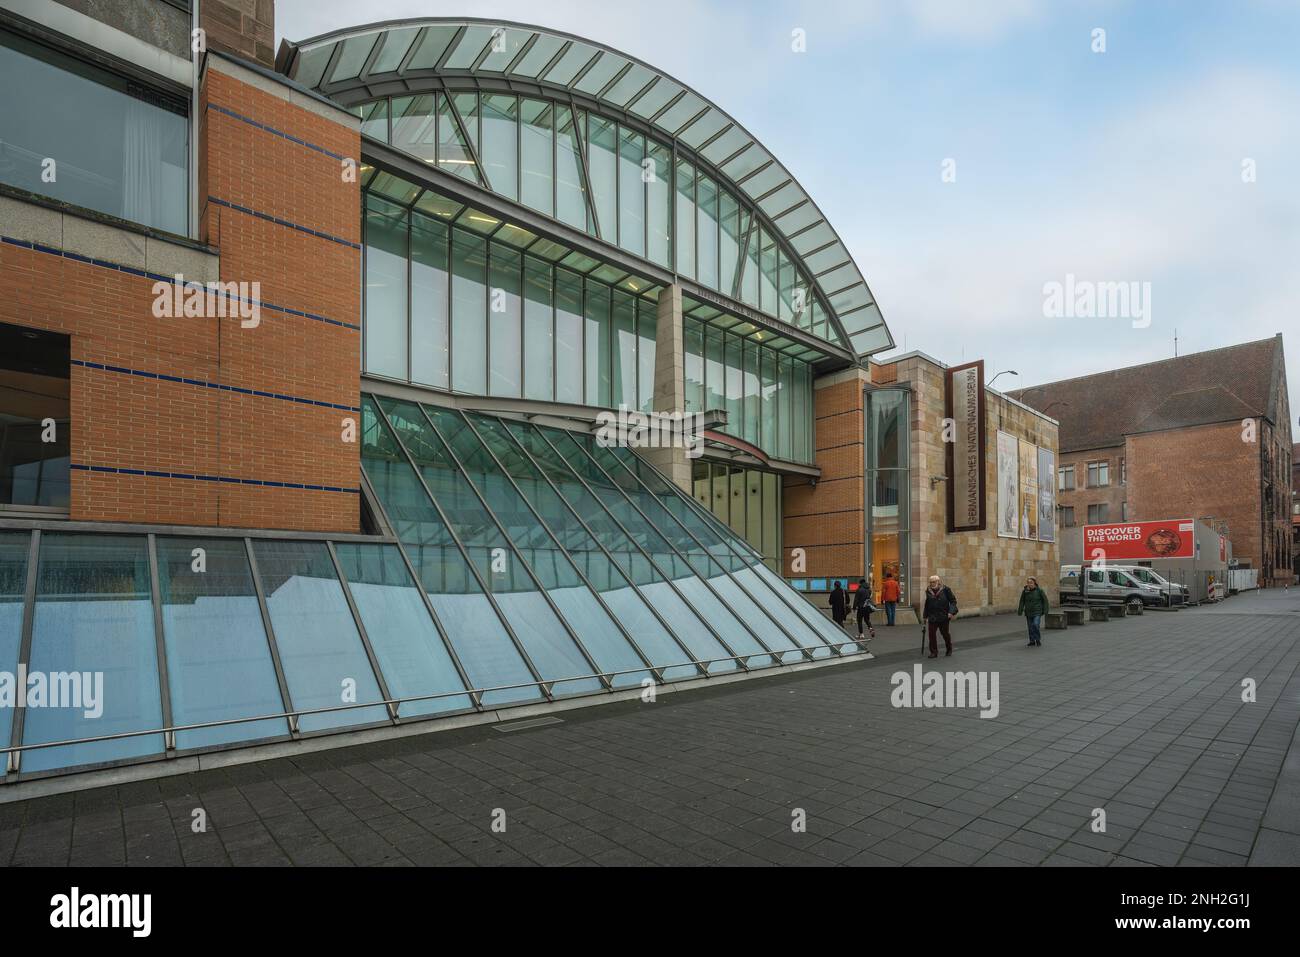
point(94, 622)
point(434, 44)
point(505, 317)
point(430, 289)
point(568, 337)
point(623, 390)
point(539, 330)
point(715, 374)
point(484, 647)
point(694, 335)
point(218, 659)
point(647, 327)
point(686, 219)
point(374, 120)
point(786, 273)
point(602, 160)
point(35, 385)
point(772, 519)
point(571, 64)
point(415, 128)
point(385, 289)
point(707, 232)
point(538, 155)
point(597, 340)
point(735, 387)
point(768, 274)
point(396, 43)
point(411, 653)
point(755, 508)
point(14, 548)
point(729, 253)
point(120, 150)
point(767, 404)
point(631, 192)
point(454, 154)
point(785, 371)
point(353, 56)
point(468, 312)
point(659, 209)
point(501, 143)
point(749, 279)
point(325, 664)
point(538, 55)
point(750, 391)
point(571, 201)
point(474, 42)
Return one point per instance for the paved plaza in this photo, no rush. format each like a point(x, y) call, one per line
point(1142, 718)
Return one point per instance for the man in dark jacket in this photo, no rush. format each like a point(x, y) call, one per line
point(863, 606)
point(1033, 605)
point(839, 605)
point(940, 608)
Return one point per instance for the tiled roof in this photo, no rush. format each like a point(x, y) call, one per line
point(1220, 385)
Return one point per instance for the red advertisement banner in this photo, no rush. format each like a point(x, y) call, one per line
point(1170, 538)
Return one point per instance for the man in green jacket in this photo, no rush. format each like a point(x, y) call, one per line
point(1033, 605)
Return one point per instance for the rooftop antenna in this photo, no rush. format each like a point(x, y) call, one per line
point(1175, 342)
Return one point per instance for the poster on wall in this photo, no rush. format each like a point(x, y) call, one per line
point(1008, 486)
point(1119, 541)
point(1046, 495)
point(964, 446)
point(1028, 490)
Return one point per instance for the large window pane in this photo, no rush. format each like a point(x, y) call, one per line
point(14, 548)
point(767, 405)
point(374, 119)
point(750, 391)
point(735, 387)
point(647, 328)
point(430, 356)
point(94, 616)
point(571, 201)
point(729, 252)
point(539, 331)
point(325, 664)
point(631, 192)
point(785, 373)
point(568, 337)
point(707, 232)
point(750, 277)
point(767, 274)
point(415, 128)
point(623, 391)
point(539, 155)
point(686, 219)
point(218, 660)
point(715, 372)
point(120, 149)
point(468, 312)
point(693, 332)
point(597, 342)
point(659, 210)
point(501, 143)
point(602, 160)
point(505, 305)
point(411, 653)
point(386, 260)
point(454, 155)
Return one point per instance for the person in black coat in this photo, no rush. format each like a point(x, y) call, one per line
point(863, 606)
point(940, 608)
point(839, 605)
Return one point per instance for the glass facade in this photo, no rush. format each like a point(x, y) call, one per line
point(82, 135)
point(748, 501)
point(888, 482)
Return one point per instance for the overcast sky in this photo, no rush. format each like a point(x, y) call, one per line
point(1119, 166)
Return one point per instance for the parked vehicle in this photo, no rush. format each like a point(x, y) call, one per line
point(1177, 594)
point(1109, 584)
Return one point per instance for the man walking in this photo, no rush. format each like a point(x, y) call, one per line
point(940, 608)
point(889, 595)
point(863, 606)
point(839, 605)
point(1033, 605)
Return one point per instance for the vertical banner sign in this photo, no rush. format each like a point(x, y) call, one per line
point(1046, 495)
point(964, 454)
point(1028, 490)
point(1008, 485)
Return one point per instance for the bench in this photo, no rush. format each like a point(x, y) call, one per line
point(1055, 620)
point(1075, 616)
point(1134, 609)
point(1098, 613)
point(1118, 611)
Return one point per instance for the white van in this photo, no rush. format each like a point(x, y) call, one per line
point(1143, 573)
point(1111, 582)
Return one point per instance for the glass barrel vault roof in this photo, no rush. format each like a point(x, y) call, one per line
point(381, 58)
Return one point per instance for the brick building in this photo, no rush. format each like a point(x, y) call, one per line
point(1204, 436)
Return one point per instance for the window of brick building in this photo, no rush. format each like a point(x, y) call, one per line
point(1097, 514)
point(1123, 472)
point(1065, 478)
point(34, 411)
point(1067, 516)
point(1098, 474)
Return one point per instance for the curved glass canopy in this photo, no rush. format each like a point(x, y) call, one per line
point(390, 59)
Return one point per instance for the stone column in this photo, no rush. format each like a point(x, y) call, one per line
point(670, 384)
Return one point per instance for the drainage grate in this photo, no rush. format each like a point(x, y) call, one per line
point(526, 725)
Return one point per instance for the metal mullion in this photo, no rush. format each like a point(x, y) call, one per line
point(410, 269)
point(416, 42)
point(451, 47)
point(743, 659)
point(285, 697)
point(541, 682)
point(14, 763)
point(586, 172)
point(609, 556)
point(164, 680)
point(654, 120)
point(424, 596)
point(600, 95)
point(523, 52)
point(518, 552)
point(778, 655)
point(464, 132)
point(581, 574)
point(361, 630)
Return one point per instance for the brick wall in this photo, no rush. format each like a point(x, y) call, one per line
point(1112, 495)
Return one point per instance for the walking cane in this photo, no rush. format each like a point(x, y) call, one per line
point(923, 636)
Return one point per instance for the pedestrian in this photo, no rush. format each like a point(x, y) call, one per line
point(940, 608)
point(889, 595)
point(863, 606)
point(1033, 605)
point(839, 605)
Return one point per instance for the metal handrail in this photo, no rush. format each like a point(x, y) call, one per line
point(475, 694)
